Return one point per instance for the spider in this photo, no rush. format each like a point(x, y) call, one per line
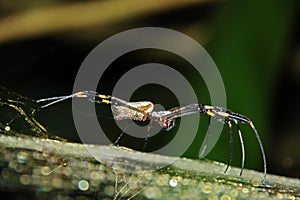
point(143, 111)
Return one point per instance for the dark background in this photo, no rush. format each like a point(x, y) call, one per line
point(254, 44)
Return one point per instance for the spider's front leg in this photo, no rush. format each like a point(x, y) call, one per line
point(221, 114)
point(224, 115)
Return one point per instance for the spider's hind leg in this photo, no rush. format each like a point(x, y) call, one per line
point(230, 143)
point(207, 138)
point(242, 146)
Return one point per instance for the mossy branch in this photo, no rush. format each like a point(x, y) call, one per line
point(45, 168)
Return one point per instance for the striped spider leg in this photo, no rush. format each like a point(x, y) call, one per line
point(221, 114)
point(166, 119)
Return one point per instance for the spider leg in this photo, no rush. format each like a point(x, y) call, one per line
point(184, 111)
point(230, 143)
point(207, 137)
point(121, 135)
point(242, 146)
point(118, 139)
point(90, 95)
point(146, 141)
point(148, 135)
point(52, 98)
point(262, 150)
point(243, 119)
point(56, 100)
